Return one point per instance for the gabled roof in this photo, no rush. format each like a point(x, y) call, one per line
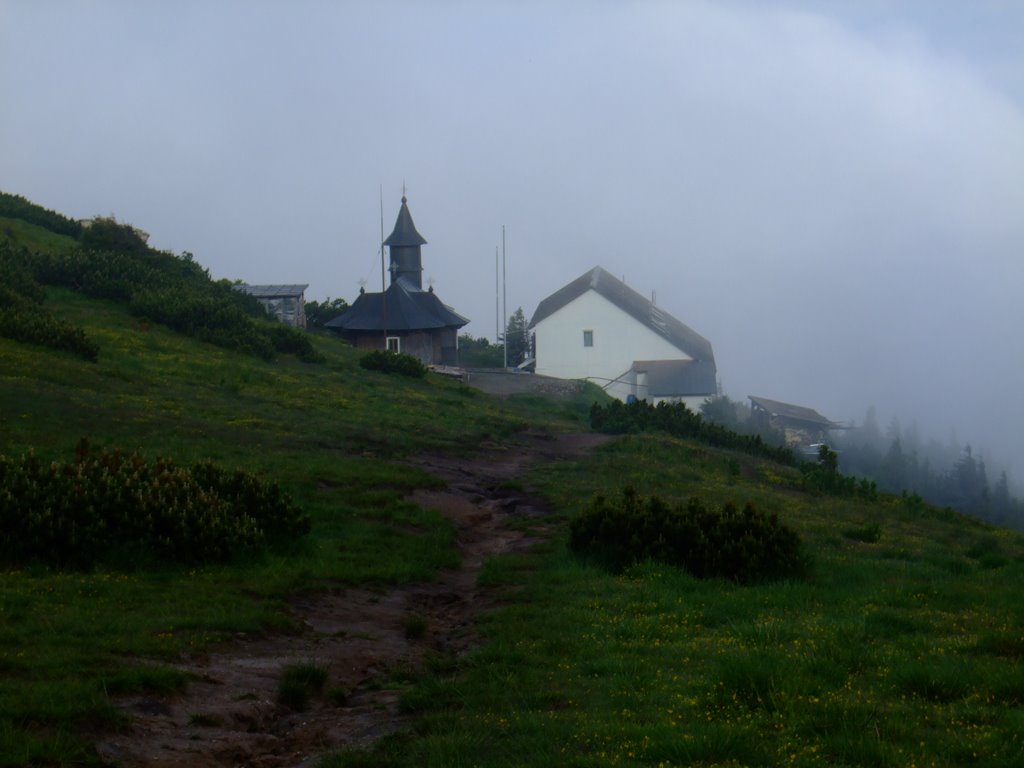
point(678, 378)
point(272, 291)
point(407, 310)
point(794, 412)
point(404, 232)
point(632, 303)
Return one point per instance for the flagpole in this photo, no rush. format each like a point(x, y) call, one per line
point(383, 286)
point(504, 293)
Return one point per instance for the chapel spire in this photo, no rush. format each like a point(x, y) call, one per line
point(404, 245)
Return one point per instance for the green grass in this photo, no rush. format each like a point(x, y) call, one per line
point(337, 438)
point(875, 660)
point(904, 646)
point(33, 237)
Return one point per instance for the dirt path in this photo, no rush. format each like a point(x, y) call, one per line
point(229, 716)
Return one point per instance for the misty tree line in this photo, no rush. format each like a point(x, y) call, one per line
point(943, 473)
point(899, 460)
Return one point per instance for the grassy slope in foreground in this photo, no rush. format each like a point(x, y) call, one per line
point(902, 652)
point(327, 433)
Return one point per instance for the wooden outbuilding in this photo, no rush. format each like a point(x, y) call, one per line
point(285, 302)
point(801, 426)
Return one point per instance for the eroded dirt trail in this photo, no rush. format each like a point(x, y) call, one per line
point(229, 716)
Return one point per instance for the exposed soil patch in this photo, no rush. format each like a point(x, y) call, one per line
point(366, 640)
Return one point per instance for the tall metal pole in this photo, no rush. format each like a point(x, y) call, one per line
point(497, 300)
point(504, 293)
point(383, 287)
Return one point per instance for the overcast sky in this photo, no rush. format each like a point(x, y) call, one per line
point(831, 192)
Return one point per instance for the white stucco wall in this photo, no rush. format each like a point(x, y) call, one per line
point(619, 339)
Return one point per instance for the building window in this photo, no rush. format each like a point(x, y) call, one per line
point(588, 338)
point(394, 344)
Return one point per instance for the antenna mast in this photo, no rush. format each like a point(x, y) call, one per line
point(504, 293)
point(497, 300)
point(383, 287)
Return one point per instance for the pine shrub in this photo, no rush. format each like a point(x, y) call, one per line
point(23, 317)
point(392, 362)
point(113, 506)
point(745, 545)
point(31, 324)
point(17, 207)
point(823, 476)
point(678, 420)
point(291, 341)
point(174, 291)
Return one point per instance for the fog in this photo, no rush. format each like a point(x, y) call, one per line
point(831, 193)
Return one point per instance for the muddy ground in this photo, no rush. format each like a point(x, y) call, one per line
point(230, 715)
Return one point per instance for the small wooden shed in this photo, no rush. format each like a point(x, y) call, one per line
point(285, 302)
point(801, 426)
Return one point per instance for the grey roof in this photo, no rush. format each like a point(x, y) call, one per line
point(404, 233)
point(408, 309)
point(632, 303)
point(789, 411)
point(272, 291)
point(678, 378)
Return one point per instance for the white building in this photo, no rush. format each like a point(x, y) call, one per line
point(598, 328)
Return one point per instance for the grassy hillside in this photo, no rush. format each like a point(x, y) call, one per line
point(330, 434)
point(33, 236)
point(903, 646)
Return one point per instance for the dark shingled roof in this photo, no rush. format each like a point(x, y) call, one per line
point(678, 378)
point(404, 233)
point(407, 310)
point(788, 411)
point(271, 291)
point(632, 303)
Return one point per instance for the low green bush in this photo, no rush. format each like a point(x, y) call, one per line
point(18, 280)
point(392, 362)
point(291, 341)
point(205, 316)
point(617, 418)
point(23, 317)
point(121, 508)
point(869, 533)
point(17, 207)
point(174, 291)
point(823, 476)
point(742, 545)
point(106, 234)
point(31, 324)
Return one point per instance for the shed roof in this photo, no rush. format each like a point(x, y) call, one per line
point(632, 303)
point(408, 309)
point(794, 412)
point(404, 233)
point(272, 291)
point(678, 378)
